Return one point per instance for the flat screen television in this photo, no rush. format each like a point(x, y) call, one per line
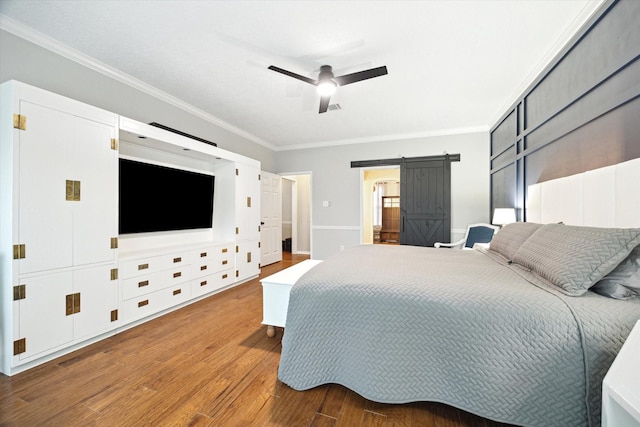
point(159, 198)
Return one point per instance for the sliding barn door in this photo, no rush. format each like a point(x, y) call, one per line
point(425, 202)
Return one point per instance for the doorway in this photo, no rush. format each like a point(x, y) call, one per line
point(425, 197)
point(296, 213)
point(378, 220)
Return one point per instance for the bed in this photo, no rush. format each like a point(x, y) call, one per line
point(515, 333)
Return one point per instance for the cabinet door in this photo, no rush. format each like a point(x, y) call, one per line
point(247, 259)
point(60, 229)
point(45, 216)
point(98, 297)
point(94, 216)
point(43, 320)
point(248, 202)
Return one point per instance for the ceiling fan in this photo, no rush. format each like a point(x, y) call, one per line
point(327, 82)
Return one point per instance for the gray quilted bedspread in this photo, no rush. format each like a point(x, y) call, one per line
point(402, 324)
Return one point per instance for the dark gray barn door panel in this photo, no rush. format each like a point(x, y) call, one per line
point(425, 202)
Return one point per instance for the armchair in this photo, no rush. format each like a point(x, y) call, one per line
point(476, 233)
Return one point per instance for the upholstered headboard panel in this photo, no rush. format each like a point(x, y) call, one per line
point(605, 197)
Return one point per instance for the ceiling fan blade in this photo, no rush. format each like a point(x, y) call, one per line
point(360, 75)
point(324, 104)
point(294, 75)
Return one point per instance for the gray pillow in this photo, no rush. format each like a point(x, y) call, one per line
point(575, 258)
point(624, 281)
point(510, 237)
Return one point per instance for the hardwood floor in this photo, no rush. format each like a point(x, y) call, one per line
point(208, 364)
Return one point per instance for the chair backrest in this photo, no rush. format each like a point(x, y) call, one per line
point(479, 233)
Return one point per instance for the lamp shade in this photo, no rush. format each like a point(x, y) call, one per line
point(502, 216)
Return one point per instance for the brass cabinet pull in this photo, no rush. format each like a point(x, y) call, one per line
point(72, 304)
point(177, 291)
point(203, 254)
point(143, 303)
point(143, 266)
point(224, 262)
point(203, 283)
point(178, 274)
point(143, 283)
point(224, 276)
point(178, 259)
point(224, 250)
point(203, 267)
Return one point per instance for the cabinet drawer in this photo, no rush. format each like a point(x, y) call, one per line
point(176, 275)
point(212, 282)
point(175, 260)
point(144, 266)
point(213, 265)
point(151, 282)
point(139, 267)
point(153, 302)
point(141, 285)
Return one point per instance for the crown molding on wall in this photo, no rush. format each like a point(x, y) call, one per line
point(388, 138)
point(20, 30)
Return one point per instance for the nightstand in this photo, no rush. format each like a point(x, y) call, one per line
point(621, 385)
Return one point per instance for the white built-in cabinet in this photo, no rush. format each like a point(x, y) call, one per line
point(58, 229)
point(67, 277)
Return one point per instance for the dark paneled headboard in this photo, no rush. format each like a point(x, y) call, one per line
point(581, 113)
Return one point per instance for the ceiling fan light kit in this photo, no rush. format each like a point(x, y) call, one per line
point(327, 84)
point(327, 88)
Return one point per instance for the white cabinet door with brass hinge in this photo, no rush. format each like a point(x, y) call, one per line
point(59, 308)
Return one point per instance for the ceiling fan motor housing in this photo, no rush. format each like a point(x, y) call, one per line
point(325, 73)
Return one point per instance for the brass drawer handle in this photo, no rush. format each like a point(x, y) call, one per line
point(178, 274)
point(143, 283)
point(203, 283)
point(178, 259)
point(224, 276)
point(225, 262)
point(203, 254)
point(143, 303)
point(224, 250)
point(143, 266)
point(177, 291)
point(204, 267)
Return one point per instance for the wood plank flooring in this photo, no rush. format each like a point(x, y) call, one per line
point(208, 364)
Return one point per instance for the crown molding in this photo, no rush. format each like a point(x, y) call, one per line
point(388, 138)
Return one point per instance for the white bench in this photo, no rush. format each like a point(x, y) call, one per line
point(275, 294)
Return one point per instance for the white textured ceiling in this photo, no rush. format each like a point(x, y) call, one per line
point(454, 66)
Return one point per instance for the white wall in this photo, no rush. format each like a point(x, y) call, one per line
point(339, 225)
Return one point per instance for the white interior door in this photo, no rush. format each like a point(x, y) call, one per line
point(271, 221)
